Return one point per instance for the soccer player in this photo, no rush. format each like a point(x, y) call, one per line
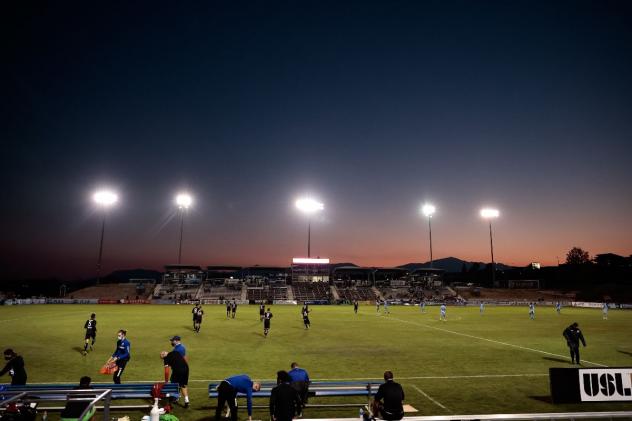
point(121, 355)
point(15, 368)
point(442, 311)
point(305, 312)
point(299, 380)
point(558, 307)
point(573, 335)
point(393, 395)
point(481, 308)
point(194, 313)
point(355, 306)
point(229, 307)
point(262, 310)
point(233, 308)
point(386, 310)
point(227, 392)
point(422, 306)
point(532, 311)
point(266, 322)
point(179, 371)
point(377, 305)
point(91, 333)
point(179, 348)
point(604, 309)
point(198, 320)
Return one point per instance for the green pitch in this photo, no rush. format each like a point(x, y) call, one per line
point(491, 363)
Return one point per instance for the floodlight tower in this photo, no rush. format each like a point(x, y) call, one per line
point(428, 210)
point(104, 199)
point(489, 214)
point(183, 201)
point(309, 207)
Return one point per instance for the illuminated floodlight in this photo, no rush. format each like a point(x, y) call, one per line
point(309, 205)
point(105, 198)
point(184, 200)
point(428, 210)
point(490, 213)
point(306, 260)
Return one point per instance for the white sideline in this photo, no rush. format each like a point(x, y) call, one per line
point(439, 404)
point(488, 340)
point(473, 376)
point(535, 416)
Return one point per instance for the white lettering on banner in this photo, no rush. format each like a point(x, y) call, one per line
point(605, 384)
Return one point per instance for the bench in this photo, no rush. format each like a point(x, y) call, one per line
point(316, 389)
point(119, 391)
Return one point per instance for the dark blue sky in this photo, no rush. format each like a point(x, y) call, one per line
point(373, 107)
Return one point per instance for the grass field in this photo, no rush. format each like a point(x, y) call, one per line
point(491, 363)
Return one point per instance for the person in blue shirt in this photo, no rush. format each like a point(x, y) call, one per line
point(179, 348)
point(227, 392)
point(299, 379)
point(121, 355)
point(442, 312)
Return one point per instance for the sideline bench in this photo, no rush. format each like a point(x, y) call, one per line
point(119, 391)
point(316, 389)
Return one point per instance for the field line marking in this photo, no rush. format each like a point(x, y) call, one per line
point(489, 340)
point(436, 402)
point(472, 376)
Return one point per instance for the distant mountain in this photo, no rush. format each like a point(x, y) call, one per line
point(451, 264)
point(338, 265)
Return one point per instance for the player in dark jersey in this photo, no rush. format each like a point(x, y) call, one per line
point(91, 333)
point(266, 322)
point(229, 307)
point(233, 308)
point(198, 320)
point(355, 306)
point(194, 313)
point(262, 310)
point(305, 313)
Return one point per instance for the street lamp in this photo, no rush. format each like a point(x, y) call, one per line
point(489, 214)
point(183, 201)
point(309, 207)
point(104, 199)
point(428, 210)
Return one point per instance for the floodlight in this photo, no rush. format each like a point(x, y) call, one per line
point(184, 200)
point(490, 213)
point(309, 205)
point(105, 198)
point(428, 210)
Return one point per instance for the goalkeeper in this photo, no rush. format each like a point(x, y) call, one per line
point(179, 372)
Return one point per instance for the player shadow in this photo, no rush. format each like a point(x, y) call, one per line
point(77, 349)
point(545, 399)
point(625, 352)
point(557, 360)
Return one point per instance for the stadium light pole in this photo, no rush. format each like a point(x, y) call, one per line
point(183, 200)
point(309, 207)
point(489, 214)
point(428, 210)
point(104, 199)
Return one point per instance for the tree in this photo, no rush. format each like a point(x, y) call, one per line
point(577, 256)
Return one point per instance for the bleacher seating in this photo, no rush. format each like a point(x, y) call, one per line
point(210, 292)
point(356, 293)
point(107, 292)
point(306, 291)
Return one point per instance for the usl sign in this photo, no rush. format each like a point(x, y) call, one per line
point(605, 384)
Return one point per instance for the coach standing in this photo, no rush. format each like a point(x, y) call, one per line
point(179, 371)
point(285, 402)
point(573, 335)
point(227, 392)
point(15, 367)
point(393, 395)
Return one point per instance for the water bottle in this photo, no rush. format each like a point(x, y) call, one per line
point(154, 415)
point(361, 413)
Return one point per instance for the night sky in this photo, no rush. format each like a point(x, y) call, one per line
point(372, 107)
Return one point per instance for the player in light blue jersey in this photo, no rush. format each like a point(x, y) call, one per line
point(532, 311)
point(604, 310)
point(558, 307)
point(481, 308)
point(442, 315)
point(422, 306)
